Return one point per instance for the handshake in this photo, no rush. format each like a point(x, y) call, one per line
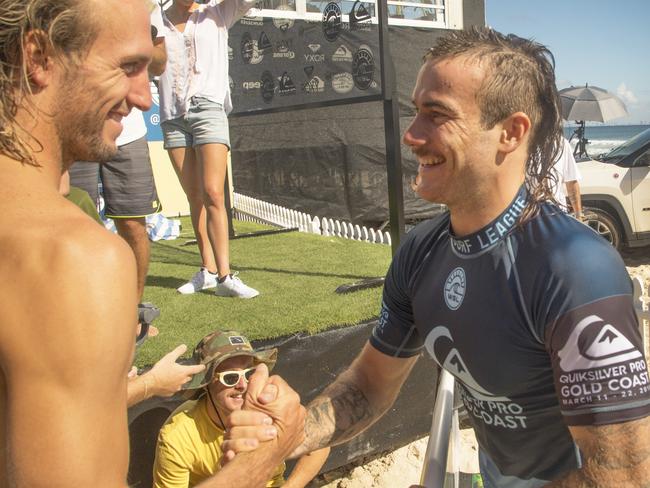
point(272, 419)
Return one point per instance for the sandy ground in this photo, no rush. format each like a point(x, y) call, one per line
point(402, 467)
point(397, 469)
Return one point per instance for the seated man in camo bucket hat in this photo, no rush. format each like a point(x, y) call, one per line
point(189, 444)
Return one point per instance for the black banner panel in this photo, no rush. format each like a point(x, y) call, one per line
point(277, 64)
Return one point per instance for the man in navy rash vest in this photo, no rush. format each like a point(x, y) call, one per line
point(528, 308)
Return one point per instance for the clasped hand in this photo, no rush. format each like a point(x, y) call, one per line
point(272, 413)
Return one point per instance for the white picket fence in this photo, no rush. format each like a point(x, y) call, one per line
point(253, 210)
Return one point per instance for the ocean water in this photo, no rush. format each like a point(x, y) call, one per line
point(602, 138)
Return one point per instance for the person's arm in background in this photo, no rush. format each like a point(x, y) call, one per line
point(233, 10)
point(307, 468)
point(159, 57)
point(163, 380)
point(571, 176)
point(573, 193)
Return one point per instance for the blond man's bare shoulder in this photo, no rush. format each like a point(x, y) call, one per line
point(68, 280)
point(59, 235)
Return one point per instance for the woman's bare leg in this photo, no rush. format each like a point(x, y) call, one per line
point(189, 175)
point(213, 161)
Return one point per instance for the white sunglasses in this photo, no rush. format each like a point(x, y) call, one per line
point(231, 378)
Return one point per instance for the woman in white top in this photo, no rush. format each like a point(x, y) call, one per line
point(194, 105)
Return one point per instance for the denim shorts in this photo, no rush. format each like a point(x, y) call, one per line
point(204, 123)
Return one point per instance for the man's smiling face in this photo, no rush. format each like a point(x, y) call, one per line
point(111, 79)
point(454, 151)
point(229, 399)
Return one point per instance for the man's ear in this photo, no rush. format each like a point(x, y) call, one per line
point(515, 131)
point(39, 59)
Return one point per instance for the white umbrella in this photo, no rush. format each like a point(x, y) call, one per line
point(581, 103)
point(590, 103)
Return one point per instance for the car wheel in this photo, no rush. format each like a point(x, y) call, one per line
point(604, 225)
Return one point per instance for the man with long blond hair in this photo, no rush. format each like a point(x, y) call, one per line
point(70, 71)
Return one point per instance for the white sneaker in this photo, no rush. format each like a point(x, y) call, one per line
point(201, 280)
point(232, 286)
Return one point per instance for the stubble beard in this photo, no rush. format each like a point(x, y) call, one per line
point(81, 139)
point(80, 130)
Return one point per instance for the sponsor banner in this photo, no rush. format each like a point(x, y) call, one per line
point(279, 63)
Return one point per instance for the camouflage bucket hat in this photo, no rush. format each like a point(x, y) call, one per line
point(220, 345)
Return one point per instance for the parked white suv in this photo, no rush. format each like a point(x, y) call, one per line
point(615, 190)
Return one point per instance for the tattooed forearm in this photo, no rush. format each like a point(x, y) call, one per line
point(613, 455)
point(336, 416)
point(358, 397)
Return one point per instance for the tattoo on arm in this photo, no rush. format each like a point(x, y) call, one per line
point(336, 416)
point(613, 455)
point(573, 192)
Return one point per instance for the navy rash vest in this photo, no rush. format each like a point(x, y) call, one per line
point(537, 324)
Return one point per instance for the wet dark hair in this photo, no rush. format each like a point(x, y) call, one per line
point(519, 77)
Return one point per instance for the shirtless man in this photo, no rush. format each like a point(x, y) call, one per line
point(70, 70)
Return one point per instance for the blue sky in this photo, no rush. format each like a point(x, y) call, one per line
point(603, 43)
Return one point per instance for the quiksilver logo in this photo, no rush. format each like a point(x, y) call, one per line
point(359, 13)
point(264, 42)
point(342, 54)
point(286, 85)
point(595, 347)
point(440, 345)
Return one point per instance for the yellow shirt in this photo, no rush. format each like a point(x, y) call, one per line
point(189, 448)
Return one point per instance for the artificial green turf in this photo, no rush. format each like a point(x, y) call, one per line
point(296, 274)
